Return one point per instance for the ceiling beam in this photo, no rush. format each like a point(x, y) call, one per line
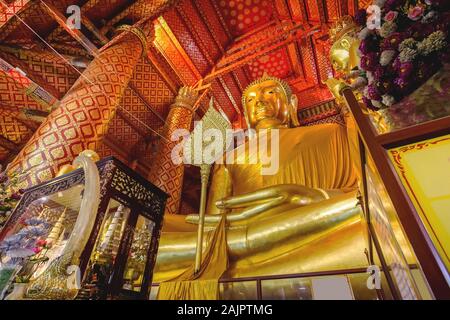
point(110, 24)
point(76, 61)
point(243, 57)
point(85, 8)
point(10, 11)
point(158, 6)
point(267, 36)
point(35, 77)
point(75, 33)
point(8, 144)
point(161, 65)
point(222, 20)
point(30, 88)
point(197, 40)
point(204, 19)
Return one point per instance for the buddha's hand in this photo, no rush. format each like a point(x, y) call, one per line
point(187, 97)
point(257, 202)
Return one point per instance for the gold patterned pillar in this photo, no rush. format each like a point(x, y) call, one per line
point(163, 172)
point(82, 118)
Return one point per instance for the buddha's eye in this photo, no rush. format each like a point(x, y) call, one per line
point(250, 100)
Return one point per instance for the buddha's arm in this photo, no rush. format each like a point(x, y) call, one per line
point(260, 201)
point(282, 232)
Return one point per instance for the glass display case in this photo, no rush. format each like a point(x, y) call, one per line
point(405, 188)
point(118, 258)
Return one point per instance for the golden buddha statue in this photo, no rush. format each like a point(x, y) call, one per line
point(305, 217)
point(344, 50)
point(344, 58)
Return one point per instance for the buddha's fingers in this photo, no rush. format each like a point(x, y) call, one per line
point(255, 210)
point(245, 214)
point(248, 199)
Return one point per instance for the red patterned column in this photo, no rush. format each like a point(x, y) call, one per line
point(163, 172)
point(82, 118)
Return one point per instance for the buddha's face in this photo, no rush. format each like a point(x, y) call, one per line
point(266, 105)
point(343, 54)
point(339, 56)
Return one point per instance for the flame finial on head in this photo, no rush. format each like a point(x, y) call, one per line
point(341, 27)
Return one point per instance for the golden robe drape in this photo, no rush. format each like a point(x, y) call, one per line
point(205, 284)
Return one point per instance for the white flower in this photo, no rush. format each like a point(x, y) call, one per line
point(407, 43)
point(359, 83)
point(364, 33)
point(388, 100)
point(407, 55)
point(386, 57)
point(377, 104)
point(379, 3)
point(434, 42)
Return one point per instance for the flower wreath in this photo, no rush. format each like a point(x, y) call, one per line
point(408, 47)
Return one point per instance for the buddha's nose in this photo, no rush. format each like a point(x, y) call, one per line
point(260, 104)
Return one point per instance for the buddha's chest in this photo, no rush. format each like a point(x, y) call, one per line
point(312, 156)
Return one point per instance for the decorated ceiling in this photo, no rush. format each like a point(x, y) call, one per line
point(219, 46)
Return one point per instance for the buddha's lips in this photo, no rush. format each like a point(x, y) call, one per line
point(263, 112)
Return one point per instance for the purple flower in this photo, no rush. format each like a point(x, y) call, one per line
point(369, 61)
point(418, 31)
point(386, 86)
point(396, 64)
point(401, 83)
point(391, 4)
point(33, 231)
point(367, 45)
point(426, 69)
point(373, 93)
point(16, 196)
point(405, 69)
point(392, 41)
point(379, 73)
point(361, 17)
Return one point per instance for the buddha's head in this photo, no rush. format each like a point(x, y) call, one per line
point(345, 44)
point(269, 103)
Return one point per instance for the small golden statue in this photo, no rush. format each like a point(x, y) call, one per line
point(345, 60)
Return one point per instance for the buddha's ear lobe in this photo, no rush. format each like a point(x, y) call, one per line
point(293, 111)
